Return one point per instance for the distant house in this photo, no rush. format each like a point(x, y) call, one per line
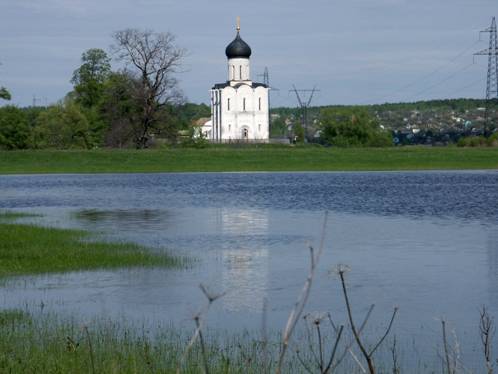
point(203, 127)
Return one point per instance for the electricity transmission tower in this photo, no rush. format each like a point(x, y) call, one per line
point(266, 81)
point(304, 105)
point(492, 53)
point(266, 77)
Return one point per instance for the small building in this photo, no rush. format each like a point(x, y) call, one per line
point(239, 106)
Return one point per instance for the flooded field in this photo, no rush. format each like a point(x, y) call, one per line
point(424, 241)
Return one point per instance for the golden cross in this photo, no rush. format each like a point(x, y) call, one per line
point(238, 23)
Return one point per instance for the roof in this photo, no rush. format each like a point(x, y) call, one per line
point(238, 48)
point(220, 86)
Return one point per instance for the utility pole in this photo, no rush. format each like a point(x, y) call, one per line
point(492, 82)
point(304, 105)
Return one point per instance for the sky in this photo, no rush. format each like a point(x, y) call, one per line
point(353, 51)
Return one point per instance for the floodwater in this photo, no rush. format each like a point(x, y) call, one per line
point(424, 241)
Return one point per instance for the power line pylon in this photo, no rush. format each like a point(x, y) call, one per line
point(492, 53)
point(266, 81)
point(304, 105)
point(266, 77)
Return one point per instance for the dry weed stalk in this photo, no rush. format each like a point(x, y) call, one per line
point(450, 368)
point(486, 331)
point(367, 354)
point(211, 298)
point(394, 355)
point(264, 337)
point(302, 299)
point(346, 349)
point(452, 363)
point(324, 366)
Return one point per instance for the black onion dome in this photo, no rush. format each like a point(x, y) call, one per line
point(238, 48)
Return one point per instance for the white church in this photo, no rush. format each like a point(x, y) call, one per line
point(239, 107)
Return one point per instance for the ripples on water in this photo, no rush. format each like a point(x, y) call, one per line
point(467, 195)
point(426, 241)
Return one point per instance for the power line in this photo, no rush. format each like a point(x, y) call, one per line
point(475, 83)
point(443, 81)
point(430, 74)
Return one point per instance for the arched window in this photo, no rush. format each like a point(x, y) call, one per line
point(245, 133)
point(228, 103)
point(233, 72)
point(229, 127)
point(259, 127)
point(244, 104)
point(259, 103)
point(240, 68)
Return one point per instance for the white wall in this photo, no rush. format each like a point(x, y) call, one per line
point(236, 66)
point(235, 117)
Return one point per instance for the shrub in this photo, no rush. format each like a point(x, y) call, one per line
point(346, 127)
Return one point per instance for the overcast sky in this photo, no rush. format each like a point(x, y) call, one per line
point(354, 51)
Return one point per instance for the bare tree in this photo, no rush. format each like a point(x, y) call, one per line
point(154, 59)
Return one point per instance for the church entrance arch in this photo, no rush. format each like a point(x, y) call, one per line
point(245, 133)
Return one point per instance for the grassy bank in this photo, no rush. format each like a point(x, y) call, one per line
point(27, 249)
point(50, 345)
point(251, 158)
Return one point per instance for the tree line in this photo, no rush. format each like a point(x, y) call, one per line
point(141, 105)
point(133, 106)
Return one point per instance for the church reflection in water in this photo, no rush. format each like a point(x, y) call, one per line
point(244, 257)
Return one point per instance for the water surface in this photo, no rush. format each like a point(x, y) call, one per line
point(425, 241)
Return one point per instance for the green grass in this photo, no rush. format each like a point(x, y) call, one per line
point(27, 249)
point(50, 345)
point(249, 158)
point(9, 215)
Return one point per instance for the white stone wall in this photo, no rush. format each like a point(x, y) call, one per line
point(239, 69)
point(240, 113)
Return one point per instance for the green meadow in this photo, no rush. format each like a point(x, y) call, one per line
point(248, 158)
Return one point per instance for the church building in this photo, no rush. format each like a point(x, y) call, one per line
point(239, 106)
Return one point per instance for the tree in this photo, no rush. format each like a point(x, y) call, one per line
point(298, 131)
point(62, 126)
point(4, 94)
point(347, 127)
point(152, 59)
point(90, 77)
point(14, 128)
point(119, 109)
point(278, 127)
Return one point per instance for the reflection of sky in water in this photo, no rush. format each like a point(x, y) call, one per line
point(424, 241)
